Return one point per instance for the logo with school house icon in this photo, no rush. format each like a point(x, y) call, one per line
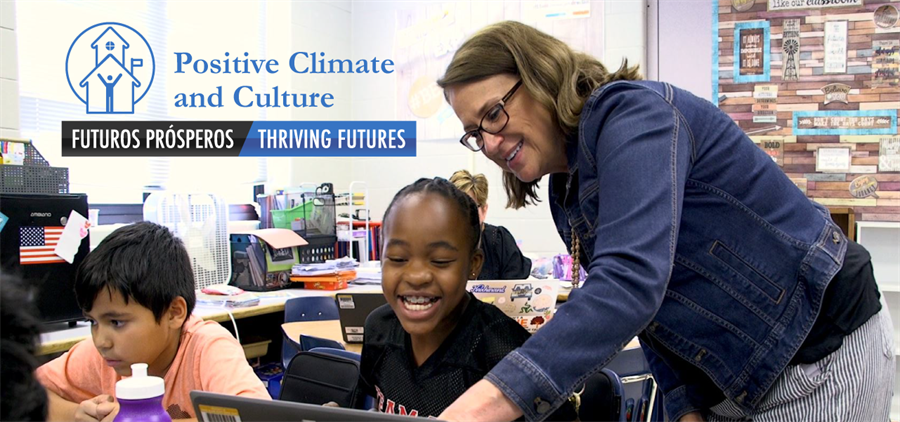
point(110, 68)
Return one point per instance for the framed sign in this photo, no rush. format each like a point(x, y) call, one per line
point(764, 111)
point(863, 186)
point(811, 4)
point(835, 47)
point(751, 52)
point(886, 63)
point(885, 16)
point(849, 122)
point(836, 92)
point(889, 154)
point(742, 5)
point(790, 46)
point(831, 159)
point(774, 147)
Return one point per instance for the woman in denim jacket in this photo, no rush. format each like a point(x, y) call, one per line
point(748, 300)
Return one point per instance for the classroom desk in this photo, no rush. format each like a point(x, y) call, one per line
point(62, 339)
point(331, 330)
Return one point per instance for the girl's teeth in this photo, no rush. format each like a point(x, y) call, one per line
point(414, 307)
point(417, 299)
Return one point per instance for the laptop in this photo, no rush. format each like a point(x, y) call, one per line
point(530, 302)
point(213, 407)
point(353, 309)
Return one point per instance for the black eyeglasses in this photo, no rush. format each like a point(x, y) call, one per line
point(492, 122)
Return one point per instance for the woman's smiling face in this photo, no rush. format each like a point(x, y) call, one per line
point(531, 145)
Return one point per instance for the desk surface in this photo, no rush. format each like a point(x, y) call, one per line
point(330, 330)
point(61, 338)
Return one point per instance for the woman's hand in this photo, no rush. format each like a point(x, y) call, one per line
point(482, 402)
point(692, 417)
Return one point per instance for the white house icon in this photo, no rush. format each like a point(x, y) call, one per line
point(110, 85)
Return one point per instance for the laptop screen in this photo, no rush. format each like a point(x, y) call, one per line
point(353, 309)
point(212, 407)
point(530, 302)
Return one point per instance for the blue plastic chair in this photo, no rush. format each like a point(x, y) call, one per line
point(639, 385)
point(370, 401)
point(313, 308)
point(308, 343)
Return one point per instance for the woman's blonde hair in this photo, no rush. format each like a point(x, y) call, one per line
point(476, 185)
point(556, 76)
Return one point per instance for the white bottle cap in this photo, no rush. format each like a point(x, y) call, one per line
point(140, 386)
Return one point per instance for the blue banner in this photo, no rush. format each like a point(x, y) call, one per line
point(331, 139)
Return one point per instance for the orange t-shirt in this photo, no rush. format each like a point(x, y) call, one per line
point(208, 359)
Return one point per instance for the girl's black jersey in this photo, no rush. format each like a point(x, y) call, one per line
point(483, 336)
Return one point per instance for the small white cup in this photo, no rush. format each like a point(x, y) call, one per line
point(94, 217)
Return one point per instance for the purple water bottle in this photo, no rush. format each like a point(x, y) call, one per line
point(140, 397)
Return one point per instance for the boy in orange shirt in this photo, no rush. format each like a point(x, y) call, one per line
point(137, 290)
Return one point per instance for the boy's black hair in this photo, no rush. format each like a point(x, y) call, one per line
point(144, 261)
point(21, 396)
point(465, 204)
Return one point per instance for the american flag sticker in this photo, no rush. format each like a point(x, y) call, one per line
point(36, 245)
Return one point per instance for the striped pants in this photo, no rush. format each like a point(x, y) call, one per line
point(854, 383)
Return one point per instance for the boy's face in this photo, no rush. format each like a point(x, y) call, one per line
point(129, 333)
point(427, 260)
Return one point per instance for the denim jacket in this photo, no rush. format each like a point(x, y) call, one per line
point(693, 239)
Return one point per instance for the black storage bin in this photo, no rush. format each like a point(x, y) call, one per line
point(34, 175)
point(318, 250)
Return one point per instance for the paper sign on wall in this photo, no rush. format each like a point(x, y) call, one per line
point(829, 159)
point(764, 111)
point(774, 147)
point(835, 47)
point(863, 186)
point(845, 122)
point(889, 154)
point(811, 4)
point(885, 63)
point(836, 92)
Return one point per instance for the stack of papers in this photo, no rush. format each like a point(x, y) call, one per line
point(329, 267)
point(236, 301)
point(368, 275)
point(332, 277)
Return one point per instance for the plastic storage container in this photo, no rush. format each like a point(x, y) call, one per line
point(271, 374)
point(283, 219)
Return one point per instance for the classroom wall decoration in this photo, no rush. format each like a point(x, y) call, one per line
point(751, 40)
point(816, 84)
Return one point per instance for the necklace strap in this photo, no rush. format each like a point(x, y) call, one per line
point(576, 260)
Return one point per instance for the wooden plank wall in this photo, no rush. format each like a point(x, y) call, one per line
point(799, 153)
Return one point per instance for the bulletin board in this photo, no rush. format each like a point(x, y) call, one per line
point(428, 34)
point(817, 88)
